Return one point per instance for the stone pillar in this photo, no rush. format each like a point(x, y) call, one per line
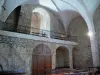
point(70, 59)
point(94, 50)
point(53, 51)
point(70, 47)
point(94, 45)
point(53, 61)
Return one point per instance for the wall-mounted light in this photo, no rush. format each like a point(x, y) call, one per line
point(90, 34)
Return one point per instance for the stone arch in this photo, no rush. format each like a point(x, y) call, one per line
point(78, 27)
point(37, 52)
point(35, 3)
point(93, 41)
point(21, 26)
point(43, 19)
point(62, 57)
point(41, 59)
point(89, 21)
point(44, 43)
point(11, 22)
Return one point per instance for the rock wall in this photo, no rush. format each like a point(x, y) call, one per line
point(83, 55)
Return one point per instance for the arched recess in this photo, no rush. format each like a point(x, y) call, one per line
point(82, 10)
point(62, 57)
point(83, 56)
point(49, 5)
point(40, 21)
point(41, 59)
point(11, 22)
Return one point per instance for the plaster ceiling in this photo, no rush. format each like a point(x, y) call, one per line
point(67, 9)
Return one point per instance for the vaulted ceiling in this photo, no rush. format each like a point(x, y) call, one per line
point(67, 9)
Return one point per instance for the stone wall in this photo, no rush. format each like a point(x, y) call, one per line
point(97, 26)
point(83, 55)
point(26, 15)
point(16, 53)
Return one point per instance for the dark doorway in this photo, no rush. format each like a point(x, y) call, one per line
point(62, 57)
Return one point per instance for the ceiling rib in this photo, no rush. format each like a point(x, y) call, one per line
point(55, 5)
point(58, 10)
point(69, 4)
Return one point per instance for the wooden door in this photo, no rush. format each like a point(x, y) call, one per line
point(40, 64)
point(41, 60)
point(35, 66)
point(47, 62)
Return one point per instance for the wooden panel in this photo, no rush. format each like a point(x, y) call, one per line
point(40, 65)
point(48, 62)
point(34, 65)
point(41, 60)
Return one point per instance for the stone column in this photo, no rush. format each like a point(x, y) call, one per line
point(94, 45)
point(93, 40)
point(53, 50)
point(70, 47)
point(53, 61)
point(70, 59)
point(95, 52)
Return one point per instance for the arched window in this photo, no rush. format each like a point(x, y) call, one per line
point(40, 22)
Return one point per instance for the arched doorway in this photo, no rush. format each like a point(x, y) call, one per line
point(62, 57)
point(41, 59)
